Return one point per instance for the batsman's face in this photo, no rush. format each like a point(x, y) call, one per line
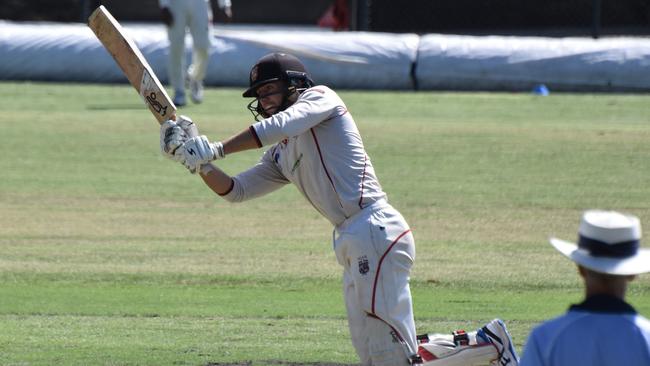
point(270, 97)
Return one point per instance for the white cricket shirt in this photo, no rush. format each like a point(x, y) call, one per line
point(318, 148)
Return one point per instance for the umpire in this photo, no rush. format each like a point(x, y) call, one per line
point(603, 329)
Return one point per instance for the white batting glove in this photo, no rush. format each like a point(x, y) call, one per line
point(188, 126)
point(198, 151)
point(173, 134)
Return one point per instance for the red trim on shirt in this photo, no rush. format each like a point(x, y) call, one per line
point(374, 286)
point(254, 133)
point(338, 115)
point(363, 178)
point(320, 155)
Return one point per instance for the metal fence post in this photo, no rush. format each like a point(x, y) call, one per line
point(595, 20)
point(363, 15)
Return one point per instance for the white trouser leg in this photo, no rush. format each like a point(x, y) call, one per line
point(375, 342)
point(377, 251)
point(386, 346)
point(200, 28)
point(199, 64)
point(176, 35)
point(357, 319)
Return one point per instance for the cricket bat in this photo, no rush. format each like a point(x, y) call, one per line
point(129, 58)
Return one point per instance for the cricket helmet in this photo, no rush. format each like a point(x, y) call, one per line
point(274, 67)
point(277, 67)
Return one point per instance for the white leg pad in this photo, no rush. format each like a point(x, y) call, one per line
point(441, 351)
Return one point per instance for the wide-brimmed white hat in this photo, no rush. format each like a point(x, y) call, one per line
point(608, 242)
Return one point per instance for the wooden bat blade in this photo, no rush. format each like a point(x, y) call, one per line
point(135, 67)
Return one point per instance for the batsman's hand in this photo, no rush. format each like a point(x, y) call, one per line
point(198, 151)
point(173, 134)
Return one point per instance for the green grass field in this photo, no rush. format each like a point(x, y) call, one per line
point(112, 255)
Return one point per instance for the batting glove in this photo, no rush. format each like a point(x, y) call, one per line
point(188, 126)
point(173, 134)
point(198, 151)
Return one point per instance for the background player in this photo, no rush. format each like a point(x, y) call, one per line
point(196, 15)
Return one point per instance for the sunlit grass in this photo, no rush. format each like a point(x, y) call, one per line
point(111, 254)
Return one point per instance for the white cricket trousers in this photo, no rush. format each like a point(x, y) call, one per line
point(377, 250)
point(197, 16)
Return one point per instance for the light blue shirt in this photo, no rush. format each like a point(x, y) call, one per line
point(602, 331)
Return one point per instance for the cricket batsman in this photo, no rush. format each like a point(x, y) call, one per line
point(312, 142)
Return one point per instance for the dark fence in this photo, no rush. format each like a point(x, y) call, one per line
point(244, 11)
point(525, 17)
point(518, 17)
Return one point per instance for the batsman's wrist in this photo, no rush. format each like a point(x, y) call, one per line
point(217, 149)
point(205, 169)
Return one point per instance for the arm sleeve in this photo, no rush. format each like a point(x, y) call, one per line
point(314, 106)
point(257, 181)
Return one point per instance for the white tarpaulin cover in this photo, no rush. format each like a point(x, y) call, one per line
point(70, 52)
point(516, 63)
point(356, 60)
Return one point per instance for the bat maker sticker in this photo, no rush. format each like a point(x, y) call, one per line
point(148, 94)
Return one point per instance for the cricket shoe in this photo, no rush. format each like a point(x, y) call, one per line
point(196, 91)
point(496, 333)
point(179, 99)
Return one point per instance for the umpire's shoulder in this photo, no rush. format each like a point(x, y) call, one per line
point(566, 324)
point(644, 324)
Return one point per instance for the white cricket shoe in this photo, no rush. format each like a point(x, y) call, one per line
point(196, 91)
point(496, 332)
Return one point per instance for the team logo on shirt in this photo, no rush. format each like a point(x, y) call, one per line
point(364, 267)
